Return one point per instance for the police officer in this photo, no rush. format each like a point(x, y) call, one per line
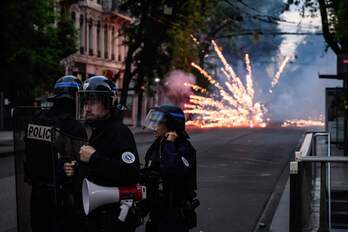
point(173, 158)
point(52, 135)
point(110, 158)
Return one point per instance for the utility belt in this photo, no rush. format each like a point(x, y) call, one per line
point(163, 202)
point(177, 206)
point(185, 210)
point(189, 214)
point(160, 201)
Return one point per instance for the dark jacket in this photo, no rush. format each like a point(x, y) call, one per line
point(176, 165)
point(111, 139)
point(170, 201)
point(108, 167)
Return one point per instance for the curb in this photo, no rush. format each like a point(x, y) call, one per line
point(264, 222)
point(6, 154)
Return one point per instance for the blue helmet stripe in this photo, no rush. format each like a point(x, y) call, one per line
point(66, 84)
point(177, 115)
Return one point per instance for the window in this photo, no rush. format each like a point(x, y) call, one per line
point(90, 36)
point(106, 47)
point(98, 40)
point(113, 43)
point(82, 30)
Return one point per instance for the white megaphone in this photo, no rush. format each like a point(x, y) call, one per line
point(94, 195)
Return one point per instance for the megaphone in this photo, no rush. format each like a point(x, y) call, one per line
point(94, 195)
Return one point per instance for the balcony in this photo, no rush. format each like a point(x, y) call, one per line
point(110, 6)
point(107, 5)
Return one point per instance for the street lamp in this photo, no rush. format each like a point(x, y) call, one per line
point(157, 80)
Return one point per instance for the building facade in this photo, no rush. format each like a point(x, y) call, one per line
point(102, 50)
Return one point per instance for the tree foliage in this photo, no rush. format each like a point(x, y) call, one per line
point(159, 39)
point(34, 39)
point(334, 17)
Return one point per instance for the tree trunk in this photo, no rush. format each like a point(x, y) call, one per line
point(135, 43)
point(127, 75)
point(140, 107)
point(330, 40)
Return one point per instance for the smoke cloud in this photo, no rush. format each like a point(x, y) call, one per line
point(301, 94)
point(174, 88)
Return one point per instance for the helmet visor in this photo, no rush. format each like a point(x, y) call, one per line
point(92, 105)
point(153, 119)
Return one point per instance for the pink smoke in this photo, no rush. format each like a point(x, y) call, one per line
point(175, 90)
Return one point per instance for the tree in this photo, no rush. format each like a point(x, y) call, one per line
point(239, 27)
point(222, 20)
point(34, 39)
point(159, 40)
point(334, 18)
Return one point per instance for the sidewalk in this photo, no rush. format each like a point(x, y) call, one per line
point(6, 143)
point(6, 138)
point(280, 222)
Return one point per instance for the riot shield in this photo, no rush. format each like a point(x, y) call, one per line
point(40, 149)
point(25, 175)
point(21, 117)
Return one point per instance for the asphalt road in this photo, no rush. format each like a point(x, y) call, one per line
point(238, 170)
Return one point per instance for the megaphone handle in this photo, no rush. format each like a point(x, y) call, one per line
point(125, 205)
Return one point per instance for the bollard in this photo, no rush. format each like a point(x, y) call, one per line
point(295, 222)
point(324, 216)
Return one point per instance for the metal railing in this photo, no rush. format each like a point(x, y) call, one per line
point(310, 175)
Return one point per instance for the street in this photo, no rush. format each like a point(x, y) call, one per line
point(238, 170)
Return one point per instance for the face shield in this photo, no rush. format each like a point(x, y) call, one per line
point(93, 105)
point(153, 119)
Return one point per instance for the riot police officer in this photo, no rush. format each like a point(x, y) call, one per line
point(173, 158)
point(110, 158)
point(52, 135)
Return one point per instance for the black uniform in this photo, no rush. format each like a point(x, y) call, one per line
point(108, 167)
point(175, 163)
point(52, 136)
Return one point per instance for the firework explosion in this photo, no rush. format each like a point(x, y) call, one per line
point(234, 103)
point(276, 77)
point(305, 122)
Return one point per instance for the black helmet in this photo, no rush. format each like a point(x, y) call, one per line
point(100, 83)
point(170, 115)
point(66, 87)
point(97, 89)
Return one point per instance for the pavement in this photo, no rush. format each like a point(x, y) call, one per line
point(239, 171)
point(6, 143)
point(280, 221)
